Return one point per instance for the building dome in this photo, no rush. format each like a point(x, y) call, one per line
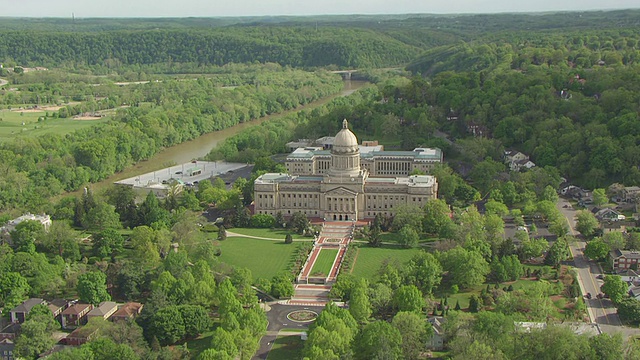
point(345, 141)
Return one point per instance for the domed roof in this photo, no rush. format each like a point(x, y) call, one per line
point(345, 140)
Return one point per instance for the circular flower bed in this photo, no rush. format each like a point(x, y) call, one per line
point(302, 315)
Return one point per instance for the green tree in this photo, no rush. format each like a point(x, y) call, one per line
point(596, 250)
point(282, 286)
point(379, 340)
point(167, 325)
point(288, 239)
point(34, 339)
point(466, 268)
point(614, 239)
point(298, 222)
point(415, 333)
point(62, 240)
point(436, 217)
point(107, 243)
point(615, 288)
point(359, 305)
point(222, 233)
point(474, 304)
point(600, 197)
point(629, 310)
point(496, 208)
point(223, 341)
point(408, 298)
point(408, 237)
point(586, 223)
point(195, 318)
point(423, 271)
point(101, 217)
point(92, 287)
point(25, 234)
point(407, 215)
point(558, 252)
point(607, 347)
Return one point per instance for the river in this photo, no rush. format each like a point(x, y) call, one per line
point(201, 145)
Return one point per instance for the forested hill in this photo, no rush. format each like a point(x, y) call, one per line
point(293, 46)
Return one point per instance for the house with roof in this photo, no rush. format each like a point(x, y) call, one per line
point(437, 340)
point(517, 160)
point(10, 331)
point(630, 194)
point(19, 313)
point(81, 335)
point(630, 276)
point(622, 260)
point(6, 350)
point(615, 226)
point(607, 214)
point(5, 231)
point(634, 292)
point(57, 306)
point(127, 311)
point(104, 310)
point(75, 315)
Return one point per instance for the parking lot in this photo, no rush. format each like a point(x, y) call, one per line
point(189, 173)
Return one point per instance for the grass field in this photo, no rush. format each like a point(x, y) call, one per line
point(286, 347)
point(324, 261)
point(369, 260)
point(268, 233)
point(11, 124)
point(199, 344)
point(264, 258)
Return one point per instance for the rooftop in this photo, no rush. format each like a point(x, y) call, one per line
point(370, 152)
point(27, 305)
point(76, 309)
point(103, 309)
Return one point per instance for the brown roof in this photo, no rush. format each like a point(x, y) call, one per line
point(76, 309)
point(129, 310)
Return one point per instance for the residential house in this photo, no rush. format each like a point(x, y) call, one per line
point(10, 331)
point(127, 311)
point(517, 160)
point(6, 350)
point(577, 328)
point(630, 194)
point(630, 276)
point(607, 214)
point(527, 326)
point(634, 292)
point(75, 315)
point(617, 226)
point(57, 306)
point(623, 259)
point(19, 313)
point(81, 335)
point(5, 231)
point(104, 310)
point(437, 340)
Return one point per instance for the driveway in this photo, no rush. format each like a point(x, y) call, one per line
point(278, 320)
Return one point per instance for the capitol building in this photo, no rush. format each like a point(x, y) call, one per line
point(344, 184)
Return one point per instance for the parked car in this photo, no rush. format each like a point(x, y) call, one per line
point(588, 296)
point(178, 172)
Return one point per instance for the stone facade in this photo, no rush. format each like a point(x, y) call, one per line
point(344, 189)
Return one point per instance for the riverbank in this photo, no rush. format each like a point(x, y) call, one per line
point(200, 146)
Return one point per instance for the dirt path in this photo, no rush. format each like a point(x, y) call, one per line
point(355, 259)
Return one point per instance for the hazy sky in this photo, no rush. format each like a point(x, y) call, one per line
point(182, 8)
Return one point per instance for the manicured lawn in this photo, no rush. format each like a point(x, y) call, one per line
point(324, 261)
point(394, 238)
point(267, 233)
point(264, 258)
point(11, 124)
point(286, 347)
point(369, 260)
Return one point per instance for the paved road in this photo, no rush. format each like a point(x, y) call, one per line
point(601, 311)
point(277, 317)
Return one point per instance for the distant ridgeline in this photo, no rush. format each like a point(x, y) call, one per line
point(292, 46)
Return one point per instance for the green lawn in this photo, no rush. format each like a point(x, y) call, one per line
point(369, 260)
point(264, 258)
point(286, 347)
point(11, 124)
point(267, 233)
point(324, 261)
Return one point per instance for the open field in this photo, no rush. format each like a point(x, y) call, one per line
point(267, 233)
point(286, 347)
point(324, 262)
point(11, 124)
point(369, 260)
point(264, 258)
point(200, 344)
